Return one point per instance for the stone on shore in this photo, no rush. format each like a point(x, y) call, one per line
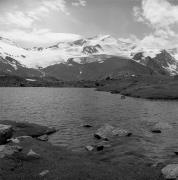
point(44, 173)
point(6, 132)
point(7, 150)
point(108, 131)
point(33, 155)
point(170, 171)
point(89, 148)
point(14, 140)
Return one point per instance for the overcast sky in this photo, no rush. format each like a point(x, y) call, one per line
point(40, 22)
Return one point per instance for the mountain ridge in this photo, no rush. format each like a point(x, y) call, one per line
point(64, 58)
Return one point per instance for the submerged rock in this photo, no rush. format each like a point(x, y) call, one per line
point(7, 150)
point(6, 132)
point(170, 171)
point(162, 125)
point(108, 131)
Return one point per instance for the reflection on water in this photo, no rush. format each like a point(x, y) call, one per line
point(68, 108)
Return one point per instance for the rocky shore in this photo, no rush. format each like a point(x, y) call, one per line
point(25, 154)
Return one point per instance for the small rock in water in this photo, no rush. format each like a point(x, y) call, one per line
point(33, 155)
point(43, 173)
point(87, 126)
point(170, 171)
point(89, 148)
point(156, 131)
point(99, 147)
point(123, 97)
point(43, 138)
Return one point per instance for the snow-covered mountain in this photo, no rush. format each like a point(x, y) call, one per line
point(82, 51)
point(62, 51)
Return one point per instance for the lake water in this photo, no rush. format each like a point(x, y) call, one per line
point(68, 108)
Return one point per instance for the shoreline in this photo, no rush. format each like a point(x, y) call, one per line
point(145, 87)
point(64, 164)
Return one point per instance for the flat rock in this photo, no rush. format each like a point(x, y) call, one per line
point(6, 132)
point(108, 131)
point(29, 129)
point(7, 150)
point(170, 171)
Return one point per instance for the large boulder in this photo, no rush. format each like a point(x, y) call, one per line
point(108, 131)
point(170, 171)
point(6, 132)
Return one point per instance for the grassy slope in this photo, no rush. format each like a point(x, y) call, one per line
point(148, 87)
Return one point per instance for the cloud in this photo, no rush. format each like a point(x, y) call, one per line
point(39, 37)
point(27, 18)
point(55, 5)
point(79, 3)
point(158, 13)
point(17, 18)
point(162, 17)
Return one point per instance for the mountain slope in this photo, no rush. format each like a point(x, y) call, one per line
point(112, 67)
point(163, 62)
